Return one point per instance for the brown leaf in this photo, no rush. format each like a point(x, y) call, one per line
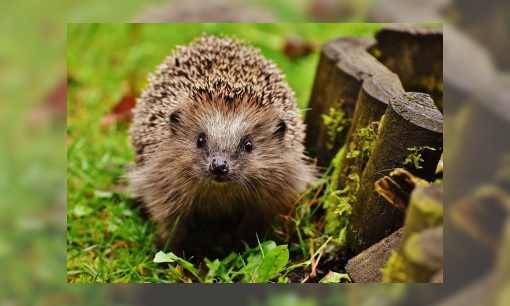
point(397, 187)
point(121, 112)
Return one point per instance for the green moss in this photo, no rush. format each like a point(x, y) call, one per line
point(381, 122)
point(339, 202)
point(393, 272)
point(413, 249)
point(410, 97)
point(363, 143)
point(336, 123)
point(334, 201)
point(415, 158)
point(432, 211)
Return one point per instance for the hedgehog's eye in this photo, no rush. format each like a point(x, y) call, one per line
point(201, 141)
point(248, 146)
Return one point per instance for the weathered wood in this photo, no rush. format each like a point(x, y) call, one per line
point(411, 122)
point(397, 187)
point(366, 266)
point(343, 65)
point(373, 100)
point(424, 254)
point(420, 253)
point(425, 210)
point(415, 53)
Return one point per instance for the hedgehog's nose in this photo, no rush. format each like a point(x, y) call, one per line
point(218, 166)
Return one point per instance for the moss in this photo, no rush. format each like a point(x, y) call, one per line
point(336, 122)
point(432, 210)
point(363, 143)
point(394, 272)
point(381, 123)
point(416, 158)
point(333, 199)
point(339, 202)
point(410, 97)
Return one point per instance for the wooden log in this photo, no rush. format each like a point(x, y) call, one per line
point(424, 254)
point(410, 137)
point(372, 102)
point(343, 65)
point(420, 253)
point(425, 210)
point(415, 53)
point(366, 266)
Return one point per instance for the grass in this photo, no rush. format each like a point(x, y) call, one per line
point(108, 238)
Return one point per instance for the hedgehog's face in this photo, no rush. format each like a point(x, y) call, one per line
point(230, 145)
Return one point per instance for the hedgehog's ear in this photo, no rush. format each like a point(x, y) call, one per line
point(280, 130)
point(175, 121)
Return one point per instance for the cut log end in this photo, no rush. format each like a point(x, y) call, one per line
point(419, 109)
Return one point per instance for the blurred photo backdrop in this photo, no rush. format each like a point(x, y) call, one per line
point(33, 111)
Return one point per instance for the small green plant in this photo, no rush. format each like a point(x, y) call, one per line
point(336, 123)
point(416, 158)
point(258, 265)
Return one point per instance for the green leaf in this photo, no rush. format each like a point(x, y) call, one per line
point(333, 277)
point(273, 263)
point(250, 272)
point(162, 257)
point(263, 248)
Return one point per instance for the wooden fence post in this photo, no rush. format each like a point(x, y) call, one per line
point(410, 137)
point(343, 66)
point(420, 252)
point(415, 54)
point(371, 105)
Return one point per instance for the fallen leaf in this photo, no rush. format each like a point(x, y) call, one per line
point(121, 112)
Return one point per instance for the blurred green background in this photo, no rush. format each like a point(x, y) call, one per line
point(33, 148)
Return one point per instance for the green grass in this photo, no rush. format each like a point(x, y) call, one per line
point(108, 240)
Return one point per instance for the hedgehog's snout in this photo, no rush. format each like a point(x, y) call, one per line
point(218, 166)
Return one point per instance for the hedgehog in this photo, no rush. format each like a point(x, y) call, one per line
point(218, 141)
